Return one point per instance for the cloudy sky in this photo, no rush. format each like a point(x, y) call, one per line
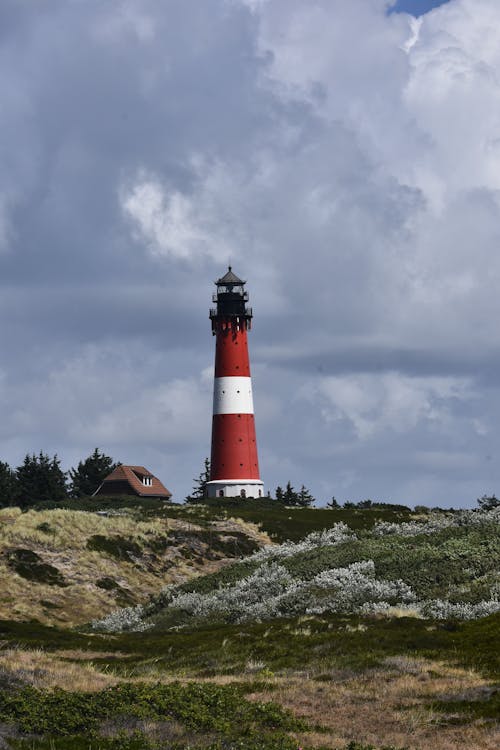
point(343, 155)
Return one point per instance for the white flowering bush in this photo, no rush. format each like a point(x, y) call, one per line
point(349, 589)
point(337, 534)
point(439, 609)
point(272, 592)
point(437, 522)
point(255, 597)
point(281, 586)
point(122, 620)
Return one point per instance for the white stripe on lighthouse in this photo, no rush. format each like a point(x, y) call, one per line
point(233, 395)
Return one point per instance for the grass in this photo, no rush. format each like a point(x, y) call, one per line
point(283, 523)
point(482, 704)
point(393, 699)
point(313, 643)
point(67, 567)
point(314, 682)
point(278, 521)
point(30, 566)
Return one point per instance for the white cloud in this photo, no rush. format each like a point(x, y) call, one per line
point(175, 224)
point(376, 403)
point(166, 221)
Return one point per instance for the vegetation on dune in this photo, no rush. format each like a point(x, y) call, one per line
point(361, 606)
point(284, 523)
point(327, 652)
point(205, 706)
point(70, 566)
point(215, 711)
point(446, 566)
point(316, 643)
point(29, 565)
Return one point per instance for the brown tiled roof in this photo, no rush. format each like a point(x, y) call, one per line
point(133, 476)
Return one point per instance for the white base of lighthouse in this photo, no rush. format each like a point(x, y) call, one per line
point(250, 488)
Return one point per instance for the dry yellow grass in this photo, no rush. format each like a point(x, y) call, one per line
point(387, 706)
point(64, 546)
point(48, 670)
point(70, 529)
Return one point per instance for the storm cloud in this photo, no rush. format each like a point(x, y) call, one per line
point(344, 158)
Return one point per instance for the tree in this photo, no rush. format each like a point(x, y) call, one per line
point(40, 479)
point(8, 485)
point(289, 496)
point(304, 498)
point(365, 504)
point(488, 502)
point(90, 473)
point(200, 490)
point(333, 503)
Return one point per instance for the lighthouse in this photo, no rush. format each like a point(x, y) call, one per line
point(234, 466)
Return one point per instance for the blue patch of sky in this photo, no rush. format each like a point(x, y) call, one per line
point(416, 7)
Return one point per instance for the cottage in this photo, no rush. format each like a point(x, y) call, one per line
point(133, 480)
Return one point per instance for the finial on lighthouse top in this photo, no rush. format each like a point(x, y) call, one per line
point(230, 279)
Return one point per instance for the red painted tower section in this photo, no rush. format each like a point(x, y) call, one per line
point(234, 467)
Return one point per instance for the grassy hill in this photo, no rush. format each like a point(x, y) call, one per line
point(67, 566)
point(368, 629)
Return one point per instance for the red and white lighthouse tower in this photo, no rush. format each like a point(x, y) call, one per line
point(234, 467)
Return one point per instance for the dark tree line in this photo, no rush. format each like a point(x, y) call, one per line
point(289, 496)
point(40, 479)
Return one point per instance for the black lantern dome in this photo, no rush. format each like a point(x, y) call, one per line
point(231, 299)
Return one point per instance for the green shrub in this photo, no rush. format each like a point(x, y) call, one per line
point(205, 707)
point(30, 566)
point(480, 706)
point(115, 546)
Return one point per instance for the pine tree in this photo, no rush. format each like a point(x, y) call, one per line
point(488, 502)
point(8, 485)
point(40, 479)
point(333, 503)
point(200, 490)
point(290, 496)
point(304, 498)
point(90, 473)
